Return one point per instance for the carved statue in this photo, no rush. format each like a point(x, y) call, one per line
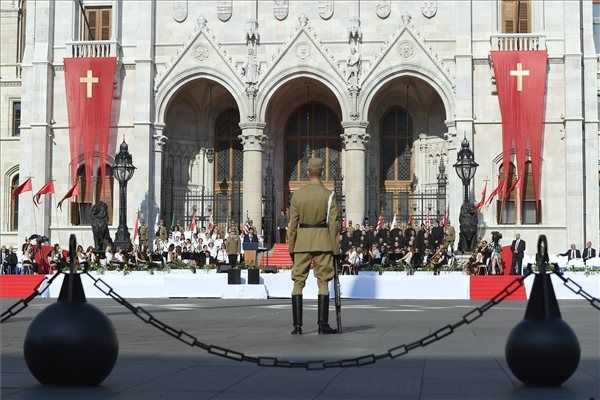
point(250, 69)
point(99, 222)
point(468, 227)
point(353, 67)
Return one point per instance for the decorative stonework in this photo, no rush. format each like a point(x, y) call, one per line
point(200, 52)
point(302, 50)
point(416, 40)
point(406, 49)
point(180, 10)
point(353, 62)
point(325, 9)
point(160, 140)
point(429, 8)
point(251, 68)
point(224, 10)
point(383, 8)
point(355, 136)
point(281, 9)
point(255, 140)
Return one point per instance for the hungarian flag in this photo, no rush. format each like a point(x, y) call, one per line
point(74, 191)
point(445, 219)
point(22, 188)
point(46, 189)
point(514, 185)
point(482, 200)
point(89, 85)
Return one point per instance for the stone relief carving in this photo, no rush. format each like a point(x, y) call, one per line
point(160, 141)
point(353, 61)
point(224, 10)
point(302, 21)
point(252, 141)
point(383, 8)
point(325, 9)
point(302, 50)
point(200, 52)
point(281, 9)
point(180, 10)
point(406, 49)
point(429, 8)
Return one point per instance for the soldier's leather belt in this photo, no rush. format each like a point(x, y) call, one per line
point(323, 225)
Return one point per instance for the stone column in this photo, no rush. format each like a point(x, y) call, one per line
point(160, 140)
point(253, 139)
point(36, 128)
point(355, 139)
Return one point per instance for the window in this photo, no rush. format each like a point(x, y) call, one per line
point(531, 211)
point(506, 212)
point(13, 223)
point(88, 195)
point(516, 16)
point(396, 146)
point(313, 130)
point(16, 118)
point(96, 23)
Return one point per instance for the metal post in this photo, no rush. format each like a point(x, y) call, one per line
point(203, 191)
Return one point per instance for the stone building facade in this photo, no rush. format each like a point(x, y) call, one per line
point(222, 102)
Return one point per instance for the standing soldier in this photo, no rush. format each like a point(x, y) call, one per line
point(143, 232)
point(449, 237)
point(163, 232)
point(313, 239)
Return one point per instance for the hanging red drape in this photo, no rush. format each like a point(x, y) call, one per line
point(521, 84)
point(89, 89)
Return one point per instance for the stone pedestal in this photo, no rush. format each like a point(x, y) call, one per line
point(253, 139)
point(355, 142)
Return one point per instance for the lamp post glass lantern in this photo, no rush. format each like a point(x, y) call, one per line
point(123, 171)
point(465, 167)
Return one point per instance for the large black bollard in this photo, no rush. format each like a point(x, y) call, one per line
point(542, 350)
point(71, 342)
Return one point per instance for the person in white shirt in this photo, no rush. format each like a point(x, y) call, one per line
point(222, 257)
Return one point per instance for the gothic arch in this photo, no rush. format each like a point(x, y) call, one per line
point(271, 87)
point(172, 86)
point(436, 81)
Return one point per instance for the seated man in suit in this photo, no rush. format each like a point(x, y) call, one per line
point(588, 252)
point(572, 253)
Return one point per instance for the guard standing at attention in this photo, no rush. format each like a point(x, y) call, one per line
point(313, 232)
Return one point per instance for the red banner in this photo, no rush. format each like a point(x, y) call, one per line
point(521, 84)
point(89, 88)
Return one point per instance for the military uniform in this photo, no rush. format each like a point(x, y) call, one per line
point(313, 232)
point(143, 232)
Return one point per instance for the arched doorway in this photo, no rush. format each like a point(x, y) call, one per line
point(202, 160)
point(407, 128)
point(312, 130)
point(303, 119)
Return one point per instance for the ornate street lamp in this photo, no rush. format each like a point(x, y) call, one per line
point(465, 167)
point(123, 171)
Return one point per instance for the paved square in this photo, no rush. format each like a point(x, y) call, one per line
point(466, 365)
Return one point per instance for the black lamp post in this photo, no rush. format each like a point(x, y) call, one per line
point(465, 167)
point(207, 155)
point(123, 171)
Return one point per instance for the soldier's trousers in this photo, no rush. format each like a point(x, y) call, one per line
point(323, 270)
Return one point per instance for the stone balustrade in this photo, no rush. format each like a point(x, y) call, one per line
point(93, 48)
point(517, 41)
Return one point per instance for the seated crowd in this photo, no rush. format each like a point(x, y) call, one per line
point(199, 247)
point(405, 246)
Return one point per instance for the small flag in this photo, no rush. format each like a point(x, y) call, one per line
point(136, 228)
point(498, 189)
point(193, 224)
point(445, 219)
point(22, 188)
point(380, 223)
point(46, 189)
point(74, 191)
point(395, 220)
point(482, 200)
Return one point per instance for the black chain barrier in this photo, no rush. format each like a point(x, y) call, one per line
point(23, 303)
point(264, 361)
point(578, 290)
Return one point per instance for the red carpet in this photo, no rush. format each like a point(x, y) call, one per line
point(486, 287)
point(17, 286)
point(277, 257)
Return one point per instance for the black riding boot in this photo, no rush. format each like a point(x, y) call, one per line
point(324, 328)
point(297, 314)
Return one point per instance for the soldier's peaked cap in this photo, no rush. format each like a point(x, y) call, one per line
point(315, 164)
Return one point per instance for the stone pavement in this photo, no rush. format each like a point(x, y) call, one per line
point(466, 365)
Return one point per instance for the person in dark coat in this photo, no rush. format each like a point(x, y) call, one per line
point(437, 235)
point(518, 251)
point(572, 253)
point(588, 252)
